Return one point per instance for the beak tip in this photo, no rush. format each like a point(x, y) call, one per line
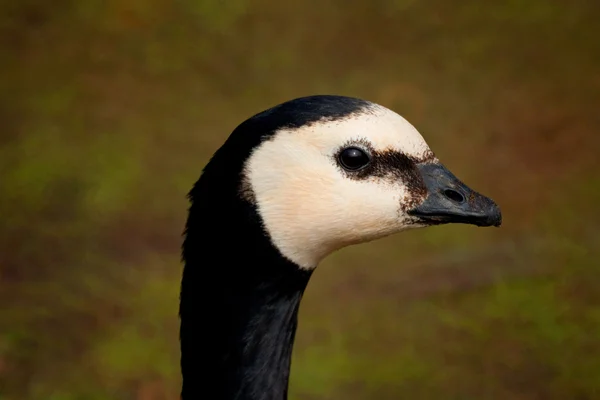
point(498, 222)
point(494, 215)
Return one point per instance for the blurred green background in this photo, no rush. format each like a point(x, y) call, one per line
point(110, 109)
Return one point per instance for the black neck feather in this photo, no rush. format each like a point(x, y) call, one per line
point(239, 300)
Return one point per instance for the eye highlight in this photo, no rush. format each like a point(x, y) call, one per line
point(353, 158)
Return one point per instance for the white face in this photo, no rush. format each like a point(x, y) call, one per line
point(311, 205)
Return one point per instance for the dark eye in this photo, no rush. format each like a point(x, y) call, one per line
point(353, 159)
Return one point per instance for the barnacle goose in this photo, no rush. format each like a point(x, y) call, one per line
point(289, 186)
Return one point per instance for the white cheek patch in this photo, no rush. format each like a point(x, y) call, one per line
point(308, 206)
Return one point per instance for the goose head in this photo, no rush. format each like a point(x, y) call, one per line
point(288, 187)
point(335, 171)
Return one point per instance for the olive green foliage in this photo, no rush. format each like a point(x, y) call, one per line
point(110, 109)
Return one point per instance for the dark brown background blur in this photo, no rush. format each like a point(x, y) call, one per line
point(110, 109)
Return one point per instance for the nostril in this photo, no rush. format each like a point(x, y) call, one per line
point(454, 195)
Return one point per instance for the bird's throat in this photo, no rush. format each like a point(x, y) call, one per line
point(239, 307)
point(237, 336)
point(239, 295)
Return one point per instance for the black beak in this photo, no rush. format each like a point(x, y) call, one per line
point(451, 201)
